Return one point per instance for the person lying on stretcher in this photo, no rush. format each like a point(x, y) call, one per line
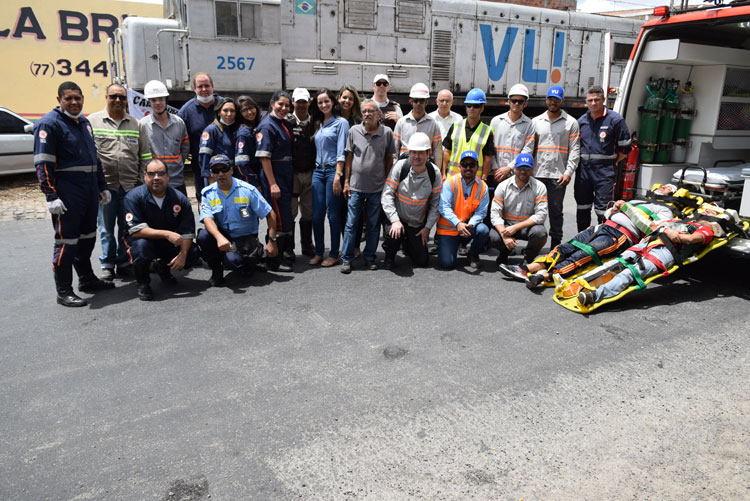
point(626, 224)
point(671, 244)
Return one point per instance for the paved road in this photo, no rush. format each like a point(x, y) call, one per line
point(379, 385)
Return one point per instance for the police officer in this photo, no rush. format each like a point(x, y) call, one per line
point(605, 142)
point(161, 227)
point(230, 209)
point(197, 114)
point(71, 178)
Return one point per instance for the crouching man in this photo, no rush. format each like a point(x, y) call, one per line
point(161, 228)
point(230, 209)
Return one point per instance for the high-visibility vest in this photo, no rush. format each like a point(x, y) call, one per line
point(463, 208)
point(460, 144)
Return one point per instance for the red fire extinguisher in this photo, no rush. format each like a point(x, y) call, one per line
point(627, 176)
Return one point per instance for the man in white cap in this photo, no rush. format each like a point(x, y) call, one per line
point(303, 159)
point(389, 110)
point(417, 121)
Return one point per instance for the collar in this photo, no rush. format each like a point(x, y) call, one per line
point(378, 131)
point(563, 116)
point(522, 119)
point(125, 116)
point(604, 113)
point(302, 122)
point(418, 120)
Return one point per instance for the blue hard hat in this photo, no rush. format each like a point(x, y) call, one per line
point(524, 160)
point(556, 91)
point(219, 160)
point(469, 154)
point(475, 96)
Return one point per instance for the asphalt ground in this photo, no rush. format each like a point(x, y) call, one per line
point(382, 385)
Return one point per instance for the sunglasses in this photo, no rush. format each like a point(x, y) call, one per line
point(382, 84)
point(517, 101)
point(157, 173)
point(469, 165)
point(418, 101)
point(473, 105)
point(118, 97)
point(225, 168)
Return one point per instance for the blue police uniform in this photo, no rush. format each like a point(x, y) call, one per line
point(68, 168)
point(197, 118)
point(236, 215)
point(175, 214)
point(602, 139)
point(215, 140)
point(274, 140)
point(246, 165)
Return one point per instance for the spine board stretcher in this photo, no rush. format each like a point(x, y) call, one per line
point(686, 210)
point(566, 295)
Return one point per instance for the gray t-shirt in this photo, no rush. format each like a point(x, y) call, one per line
point(369, 152)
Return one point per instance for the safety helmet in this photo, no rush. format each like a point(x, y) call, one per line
point(419, 141)
point(155, 89)
point(419, 91)
point(475, 96)
point(519, 90)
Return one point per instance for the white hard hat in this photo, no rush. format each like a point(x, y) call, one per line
point(519, 90)
point(419, 141)
point(419, 91)
point(155, 89)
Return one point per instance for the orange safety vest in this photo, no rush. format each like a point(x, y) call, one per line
point(462, 208)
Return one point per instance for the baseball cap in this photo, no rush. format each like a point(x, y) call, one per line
point(524, 160)
point(300, 94)
point(381, 76)
point(219, 160)
point(555, 91)
point(469, 154)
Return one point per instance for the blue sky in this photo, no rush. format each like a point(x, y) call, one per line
point(610, 5)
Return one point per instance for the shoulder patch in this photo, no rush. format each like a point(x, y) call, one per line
point(42, 134)
point(240, 145)
point(90, 131)
point(129, 217)
point(205, 135)
point(177, 208)
point(259, 136)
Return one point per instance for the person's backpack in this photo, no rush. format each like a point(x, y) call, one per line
point(407, 165)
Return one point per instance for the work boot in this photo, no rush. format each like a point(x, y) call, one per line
point(64, 286)
point(217, 276)
point(143, 280)
point(87, 281)
point(306, 231)
point(164, 271)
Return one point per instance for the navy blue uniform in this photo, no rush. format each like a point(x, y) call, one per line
point(175, 214)
point(215, 140)
point(274, 141)
point(246, 165)
point(602, 139)
point(68, 168)
point(236, 216)
point(197, 118)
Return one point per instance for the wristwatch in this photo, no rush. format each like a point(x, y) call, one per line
point(272, 238)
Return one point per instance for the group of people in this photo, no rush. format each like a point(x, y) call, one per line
point(360, 163)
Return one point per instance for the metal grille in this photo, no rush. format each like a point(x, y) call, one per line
point(441, 55)
point(325, 70)
point(410, 16)
point(362, 14)
point(734, 116)
point(737, 83)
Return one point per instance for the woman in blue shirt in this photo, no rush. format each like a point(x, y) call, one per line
point(328, 182)
point(274, 149)
point(218, 137)
point(246, 165)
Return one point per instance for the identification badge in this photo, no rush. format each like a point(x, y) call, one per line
point(244, 212)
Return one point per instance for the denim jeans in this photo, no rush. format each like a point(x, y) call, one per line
point(114, 250)
point(324, 201)
point(625, 278)
point(448, 245)
point(357, 203)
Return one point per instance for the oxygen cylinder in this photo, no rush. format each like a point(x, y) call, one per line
point(667, 122)
point(685, 113)
point(650, 113)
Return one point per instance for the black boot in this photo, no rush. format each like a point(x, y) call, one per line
point(306, 239)
point(217, 275)
point(87, 281)
point(163, 270)
point(285, 245)
point(64, 286)
point(143, 280)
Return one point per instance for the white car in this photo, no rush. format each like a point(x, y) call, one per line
point(16, 143)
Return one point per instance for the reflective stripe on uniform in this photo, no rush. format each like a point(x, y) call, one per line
point(117, 133)
point(597, 156)
point(70, 241)
point(44, 157)
point(78, 168)
point(88, 235)
point(206, 150)
point(241, 158)
point(460, 144)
